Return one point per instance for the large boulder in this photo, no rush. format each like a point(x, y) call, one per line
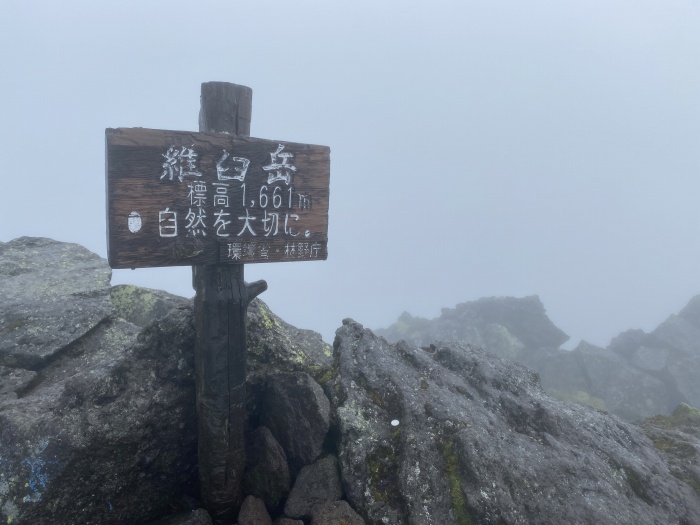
point(97, 411)
point(602, 379)
point(677, 437)
point(449, 434)
point(98, 425)
point(52, 294)
point(504, 326)
point(297, 412)
point(637, 376)
point(97, 421)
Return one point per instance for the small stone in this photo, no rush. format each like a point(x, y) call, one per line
point(297, 412)
point(316, 484)
point(335, 513)
point(267, 473)
point(288, 521)
point(253, 512)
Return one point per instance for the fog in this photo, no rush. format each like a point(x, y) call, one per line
point(499, 148)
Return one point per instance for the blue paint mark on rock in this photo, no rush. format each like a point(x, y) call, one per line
point(37, 478)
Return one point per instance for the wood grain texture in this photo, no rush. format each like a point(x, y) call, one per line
point(220, 305)
point(179, 186)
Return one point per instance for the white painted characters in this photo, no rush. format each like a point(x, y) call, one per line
point(220, 210)
point(279, 167)
point(225, 163)
point(167, 223)
point(181, 162)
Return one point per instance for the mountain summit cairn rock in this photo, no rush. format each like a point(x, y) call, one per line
point(98, 422)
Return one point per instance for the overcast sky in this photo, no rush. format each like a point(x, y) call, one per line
point(478, 148)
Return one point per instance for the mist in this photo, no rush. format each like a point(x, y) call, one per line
point(477, 148)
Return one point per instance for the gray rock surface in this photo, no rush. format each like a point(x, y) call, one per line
point(195, 517)
point(452, 435)
point(335, 513)
point(52, 293)
point(637, 376)
point(253, 512)
point(97, 420)
point(106, 433)
point(141, 306)
point(276, 346)
point(677, 437)
point(502, 325)
point(98, 425)
point(602, 379)
point(267, 472)
point(317, 483)
point(297, 412)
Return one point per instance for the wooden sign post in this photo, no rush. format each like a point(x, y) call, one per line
point(215, 200)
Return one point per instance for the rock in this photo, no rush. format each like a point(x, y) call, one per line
point(108, 433)
point(602, 379)
point(637, 376)
point(276, 346)
point(141, 306)
point(297, 412)
point(14, 381)
point(52, 293)
point(97, 421)
point(267, 472)
point(253, 512)
point(98, 425)
point(316, 484)
point(335, 513)
point(677, 437)
point(504, 326)
point(451, 434)
point(196, 517)
point(684, 374)
point(678, 333)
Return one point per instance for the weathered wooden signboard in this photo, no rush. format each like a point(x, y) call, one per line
point(178, 198)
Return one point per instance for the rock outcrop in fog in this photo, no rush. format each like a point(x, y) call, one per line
point(98, 422)
point(638, 375)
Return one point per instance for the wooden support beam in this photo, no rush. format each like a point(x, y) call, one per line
point(221, 302)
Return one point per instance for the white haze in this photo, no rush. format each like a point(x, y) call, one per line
point(478, 148)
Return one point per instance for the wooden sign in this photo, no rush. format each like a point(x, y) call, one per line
point(178, 198)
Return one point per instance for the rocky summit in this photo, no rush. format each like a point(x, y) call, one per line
point(637, 376)
point(98, 421)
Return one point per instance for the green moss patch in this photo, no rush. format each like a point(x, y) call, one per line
point(460, 505)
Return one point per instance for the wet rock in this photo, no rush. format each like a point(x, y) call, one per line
point(288, 521)
point(450, 434)
point(141, 306)
point(52, 293)
point(253, 512)
point(335, 513)
point(501, 325)
point(276, 346)
point(602, 379)
point(267, 473)
point(297, 412)
point(97, 421)
point(638, 375)
point(196, 517)
point(677, 437)
point(316, 484)
point(14, 381)
point(107, 433)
